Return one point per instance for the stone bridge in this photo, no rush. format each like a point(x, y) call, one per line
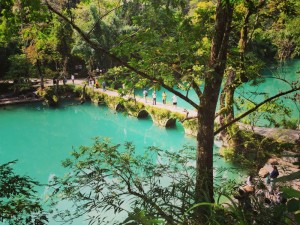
point(166, 115)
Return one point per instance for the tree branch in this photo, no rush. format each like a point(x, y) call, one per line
point(255, 108)
point(96, 46)
point(104, 15)
point(151, 202)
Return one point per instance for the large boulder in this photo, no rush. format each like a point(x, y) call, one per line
point(273, 161)
point(263, 172)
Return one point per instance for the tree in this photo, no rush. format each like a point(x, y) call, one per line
point(250, 62)
point(156, 187)
point(182, 53)
point(19, 203)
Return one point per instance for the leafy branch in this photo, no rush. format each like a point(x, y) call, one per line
point(255, 108)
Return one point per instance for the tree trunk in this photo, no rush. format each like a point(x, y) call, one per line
point(226, 105)
point(208, 103)
point(229, 136)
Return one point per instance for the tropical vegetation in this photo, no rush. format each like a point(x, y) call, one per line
point(209, 47)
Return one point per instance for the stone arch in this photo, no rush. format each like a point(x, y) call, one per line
point(120, 107)
point(142, 114)
point(171, 122)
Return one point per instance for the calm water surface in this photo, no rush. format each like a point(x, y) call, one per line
point(41, 137)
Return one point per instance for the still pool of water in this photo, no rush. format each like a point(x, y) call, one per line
point(40, 137)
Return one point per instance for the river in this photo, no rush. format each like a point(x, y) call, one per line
point(40, 137)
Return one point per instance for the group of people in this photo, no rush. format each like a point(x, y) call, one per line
point(95, 83)
point(265, 192)
point(164, 98)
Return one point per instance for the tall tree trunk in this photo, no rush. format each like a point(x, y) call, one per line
point(208, 103)
point(229, 136)
point(226, 105)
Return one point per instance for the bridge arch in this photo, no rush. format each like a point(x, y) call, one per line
point(120, 107)
point(171, 122)
point(142, 114)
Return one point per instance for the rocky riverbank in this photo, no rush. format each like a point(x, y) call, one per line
point(288, 167)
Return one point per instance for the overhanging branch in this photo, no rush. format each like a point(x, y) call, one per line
point(255, 108)
point(96, 46)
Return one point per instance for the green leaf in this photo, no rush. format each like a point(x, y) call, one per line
point(293, 205)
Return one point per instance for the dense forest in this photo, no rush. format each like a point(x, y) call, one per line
point(208, 47)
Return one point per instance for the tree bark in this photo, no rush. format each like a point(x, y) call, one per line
point(208, 103)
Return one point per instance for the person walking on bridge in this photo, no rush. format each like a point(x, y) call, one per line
point(154, 98)
point(164, 97)
point(174, 100)
point(145, 93)
point(104, 86)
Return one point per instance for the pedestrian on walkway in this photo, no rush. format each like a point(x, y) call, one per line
point(174, 100)
point(145, 93)
point(64, 80)
point(97, 84)
point(72, 78)
point(164, 97)
point(104, 86)
point(154, 98)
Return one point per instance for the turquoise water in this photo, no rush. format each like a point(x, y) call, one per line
point(41, 137)
point(271, 86)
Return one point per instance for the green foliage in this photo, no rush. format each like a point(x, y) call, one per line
point(140, 217)
point(133, 107)
point(191, 125)
point(293, 206)
point(290, 192)
point(121, 180)
point(159, 114)
point(177, 115)
point(50, 95)
point(167, 41)
point(19, 203)
point(154, 187)
point(20, 67)
point(53, 94)
point(266, 113)
point(253, 149)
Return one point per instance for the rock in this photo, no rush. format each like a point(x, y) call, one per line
point(248, 188)
point(290, 157)
point(273, 161)
point(263, 172)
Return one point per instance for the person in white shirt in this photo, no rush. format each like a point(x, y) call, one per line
point(154, 98)
point(174, 100)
